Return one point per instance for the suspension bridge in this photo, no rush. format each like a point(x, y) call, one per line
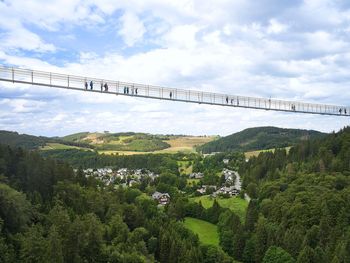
point(89, 84)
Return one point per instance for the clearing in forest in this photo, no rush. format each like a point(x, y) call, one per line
point(207, 232)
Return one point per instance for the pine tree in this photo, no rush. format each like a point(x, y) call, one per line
point(54, 249)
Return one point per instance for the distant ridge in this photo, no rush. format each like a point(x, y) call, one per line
point(259, 138)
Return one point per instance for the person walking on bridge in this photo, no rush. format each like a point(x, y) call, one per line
point(91, 85)
point(86, 85)
point(106, 86)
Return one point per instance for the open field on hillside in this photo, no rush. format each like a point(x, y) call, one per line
point(256, 153)
point(177, 144)
point(186, 143)
point(207, 232)
point(235, 204)
point(59, 146)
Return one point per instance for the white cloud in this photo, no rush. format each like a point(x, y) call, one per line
point(20, 38)
point(267, 50)
point(132, 29)
point(276, 27)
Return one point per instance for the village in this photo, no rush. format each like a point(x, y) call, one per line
point(231, 187)
point(123, 176)
point(128, 177)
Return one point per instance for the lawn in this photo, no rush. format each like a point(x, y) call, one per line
point(235, 204)
point(207, 232)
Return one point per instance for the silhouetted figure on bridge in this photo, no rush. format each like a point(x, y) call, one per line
point(344, 111)
point(340, 111)
point(170, 94)
point(232, 101)
point(91, 85)
point(106, 86)
point(136, 91)
point(86, 85)
point(226, 100)
point(101, 86)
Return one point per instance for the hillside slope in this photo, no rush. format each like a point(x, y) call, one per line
point(259, 138)
point(31, 142)
point(25, 141)
point(107, 143)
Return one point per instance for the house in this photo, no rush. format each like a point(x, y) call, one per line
point(226, 161)
point(196, 175)
point(231, 191)
point(205, 188)
point(162, 198)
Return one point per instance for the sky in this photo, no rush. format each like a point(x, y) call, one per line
point(293, 50)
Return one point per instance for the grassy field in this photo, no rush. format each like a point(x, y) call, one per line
point(192, 181)
point(59, 146)
point(184, 167)
point(177, 144)
point(206, 231)
point(235, 204)
point(256, 153)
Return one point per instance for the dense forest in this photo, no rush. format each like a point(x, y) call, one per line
point(259, 138)
point(48, 213)
point(299, 208)
point(301, 201)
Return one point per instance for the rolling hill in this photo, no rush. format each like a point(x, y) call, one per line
point(108, 143)
point(259, 138)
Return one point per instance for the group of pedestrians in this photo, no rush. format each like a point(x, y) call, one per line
point(342, 110)
point(104, 86)
point(232, 101)
point(134, 91)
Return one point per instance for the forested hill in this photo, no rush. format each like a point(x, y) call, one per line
point(259, 138)
point(25, 141)
point(31, 142)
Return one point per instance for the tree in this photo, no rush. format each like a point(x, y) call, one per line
point(238, 243)
point(33, 245)
point(14, 209)
point(54, 249)
point(261, 239)
point(277, 255)
point(306, 255)
point(249, 250)
point(252, 215)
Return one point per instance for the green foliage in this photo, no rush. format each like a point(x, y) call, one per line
point(259, 139)
point(277, 255)
point(14, 209)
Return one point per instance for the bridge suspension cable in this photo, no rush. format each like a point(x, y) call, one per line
point(57, 80)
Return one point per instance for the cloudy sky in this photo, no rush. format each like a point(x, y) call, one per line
point(295, 50)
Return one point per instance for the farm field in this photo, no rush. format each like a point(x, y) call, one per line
point(207, 232)
point(185, 144)
point(235, 204)
point(256, 153)
point(59, 146)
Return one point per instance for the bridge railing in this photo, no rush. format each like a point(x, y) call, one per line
point(59, 80)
